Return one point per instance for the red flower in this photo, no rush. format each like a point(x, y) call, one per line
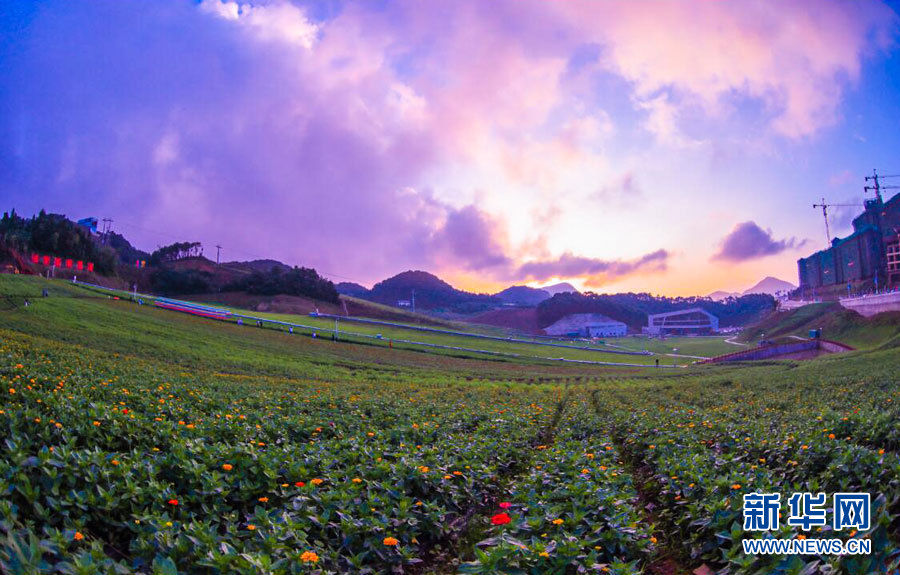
point(500, 519)
point(505, 505)
point(299, 484)
point(173, 502)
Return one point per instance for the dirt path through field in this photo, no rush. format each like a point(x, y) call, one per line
point(443, 556)
point(670, 558)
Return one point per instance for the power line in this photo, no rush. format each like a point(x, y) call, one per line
point(876, 185)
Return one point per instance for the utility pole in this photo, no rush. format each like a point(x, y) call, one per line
point(107, 225)
point(414, 301)
point(218, 248)
point(877, 186)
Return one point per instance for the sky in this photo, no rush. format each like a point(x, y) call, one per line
point(661, 146)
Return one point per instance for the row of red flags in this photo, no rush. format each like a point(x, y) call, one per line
point(60, 262)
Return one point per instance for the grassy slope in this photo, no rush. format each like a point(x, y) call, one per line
point(699, 346)
point(77, 316)
point(398, 333)
point(837, 324)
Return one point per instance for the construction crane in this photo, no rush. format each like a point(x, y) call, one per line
point(876, 185)
point(825, 207)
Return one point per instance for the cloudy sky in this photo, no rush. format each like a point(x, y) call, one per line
point(662, 146)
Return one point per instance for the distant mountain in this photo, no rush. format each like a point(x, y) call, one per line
point(351, 289)
point(430, 292)
point(563, 287)
point(720, 295)
point(770, 286)
point(523, 295)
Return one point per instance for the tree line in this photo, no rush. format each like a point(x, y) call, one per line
point(296, 281)
point(632, 309)
point(56, 235)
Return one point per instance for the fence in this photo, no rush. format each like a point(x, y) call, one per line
point(619, 351)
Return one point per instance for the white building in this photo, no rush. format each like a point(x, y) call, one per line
point(587, 325)
point(683, 322)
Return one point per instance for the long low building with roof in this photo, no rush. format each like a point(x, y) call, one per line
point(692, 321)
point(587, 325)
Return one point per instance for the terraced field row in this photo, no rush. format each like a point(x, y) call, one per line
point(125, 465)
point(704, 451)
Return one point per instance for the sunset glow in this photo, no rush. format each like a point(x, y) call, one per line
point(668, 147)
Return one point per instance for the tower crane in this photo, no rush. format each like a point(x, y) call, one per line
point(825, 207)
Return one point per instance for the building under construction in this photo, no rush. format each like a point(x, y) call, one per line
point(869, 258)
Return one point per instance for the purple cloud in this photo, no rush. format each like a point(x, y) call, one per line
point(312, 134)
point(469, 238)
point(748, 241)
point(598, 271)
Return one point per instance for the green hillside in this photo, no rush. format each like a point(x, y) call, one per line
point(140, 440)
point(837, 323)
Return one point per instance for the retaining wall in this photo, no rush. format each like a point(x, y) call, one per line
point(780, 349)
point(869, 305)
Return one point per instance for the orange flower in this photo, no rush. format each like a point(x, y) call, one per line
point(227, 466)
point(317, 481)
point(830, 436)
point(309, 557)
point(12, 389)
point(390, 541)
point(96, 424)
point(263, 499)
point(357, 480)
point(736, 486)
point(115, 461)
point(558, 521)
point(251, 527)
point(78, 536)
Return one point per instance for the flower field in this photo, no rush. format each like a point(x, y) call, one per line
point(183, 446)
